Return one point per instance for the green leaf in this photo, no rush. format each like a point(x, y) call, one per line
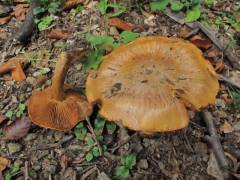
point(97, 40)
point(15, 168)
point(118, 10)
point(89, 156)
point(9, 114)
point(159, 5)
point(53, 7)
point(80, 133)
point(193, 14)
point(237, 26)
point(99, 125)
point(94, 59)
point(79, 8)
point(7, 176)
point(209, 3)
point(111, 127)
point(38, 10)
point(129, 160)
point(45, 22)
point(100, 138)
point(95, 152)
point(176, 6)
point(122, 172)
point(21, 106)
point(80, 125)
point(128, 36)
point(90, 141)
point(102, 6)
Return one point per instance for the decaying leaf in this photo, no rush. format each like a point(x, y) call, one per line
point(200, 42)
point(5, 20)
point(71, 3)
point(58, 34)
point(2, 118)
point(120, 24)
point(219, 66)
point(38, 58)
point(213, 168)
point(226, 128)
point(14, 65)
point(17, 129)
point(3, 163)
point(21, 11)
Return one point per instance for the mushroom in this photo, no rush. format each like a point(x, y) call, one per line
point(14, 66)
point(57, 107)
point(148, 84)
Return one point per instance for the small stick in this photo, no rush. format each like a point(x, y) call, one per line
point(229, 81)
point(123, 142)
point(94, 136)
point(214, 142)
point(26, 174)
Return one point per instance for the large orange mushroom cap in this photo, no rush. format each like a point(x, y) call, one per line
point(148, 84)
point(55, 107)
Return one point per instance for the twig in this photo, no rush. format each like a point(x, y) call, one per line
point(214, 142)
point(229, 81)
point(94, 136)
point(179, 18)
point(54, 145)
point(88, 173)
point(26, 174)
point(112, 150)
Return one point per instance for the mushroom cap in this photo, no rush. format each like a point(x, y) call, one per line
point(46, 111)
point(148, 84)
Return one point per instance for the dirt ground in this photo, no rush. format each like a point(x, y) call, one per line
point(183, 154)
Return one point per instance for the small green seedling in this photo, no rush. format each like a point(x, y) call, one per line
point(128, 36)
point(193, 14)
point(159, 5)
point(128, 161)
point(18, 113)
point(44, 22)
point(103, 6)
point(14, 169)
point(80, 131)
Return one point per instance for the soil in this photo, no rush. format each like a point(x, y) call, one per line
point(183, 154)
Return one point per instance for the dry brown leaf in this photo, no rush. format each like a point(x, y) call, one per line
point(58, 34)
point(71, 3)
point(183, 33)
point(5, 20)
point(3, 163)
point(14, 66)
point(2, 118)
point(17, 129)
point(227, 99)
point(219, 66)
point(200, 42)
point(226, 128)
point(21, 11)
point(120, 24)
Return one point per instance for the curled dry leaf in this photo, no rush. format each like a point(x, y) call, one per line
point(71, 3)
point(17, 129)
point(3, 163)
point(2, 118)
point(226, 128)
point(200, 42)
point(58, 34)
point(5, 20)
point(21, 11)
point(120, 24)
point(14, 65)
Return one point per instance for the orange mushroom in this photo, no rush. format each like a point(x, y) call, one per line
point(14, 66)
point(57, 107)
point(148, 84)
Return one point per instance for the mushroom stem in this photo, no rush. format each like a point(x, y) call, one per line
point(59, 76)
point(61, 69)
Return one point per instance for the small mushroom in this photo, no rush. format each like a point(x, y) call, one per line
point(14, 66)
point(57, 107)
point(148, 84)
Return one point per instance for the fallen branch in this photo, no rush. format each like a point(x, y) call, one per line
point(214, 142)
point(179, 18)
point(94, 136)
point(28, 26)
point(229, 81)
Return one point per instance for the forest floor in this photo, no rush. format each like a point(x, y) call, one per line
point(183, 154)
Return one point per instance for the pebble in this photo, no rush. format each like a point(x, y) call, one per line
point(14, 147)
point(143, 164)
